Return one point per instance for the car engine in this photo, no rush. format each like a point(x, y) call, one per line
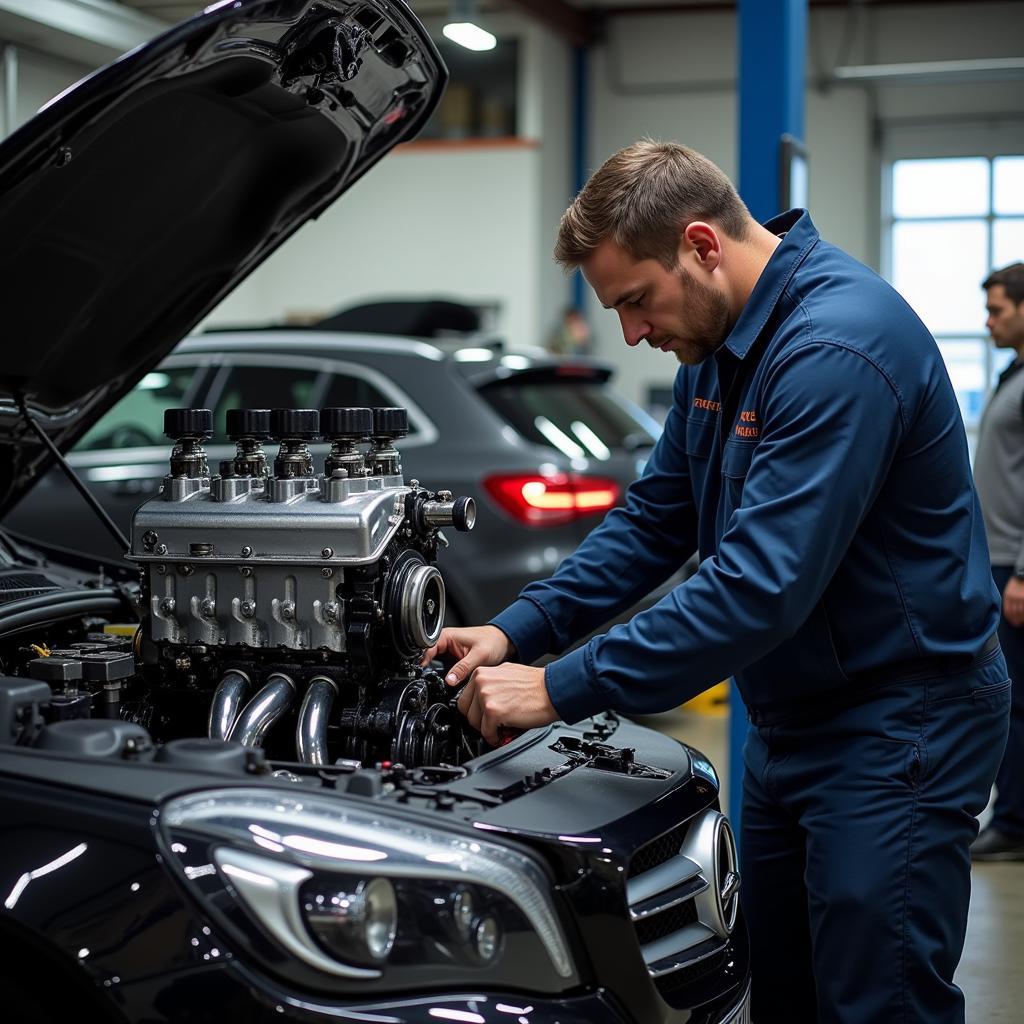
point(286, 607)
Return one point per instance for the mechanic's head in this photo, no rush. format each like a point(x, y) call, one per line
point(1004, 301)
point(659, 232)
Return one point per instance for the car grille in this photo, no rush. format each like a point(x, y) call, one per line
point(672, 983)
point(657, 851)
point(673, 888)
point(657, 926)
point(18, 586)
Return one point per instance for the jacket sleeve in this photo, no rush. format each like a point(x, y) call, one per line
point(635, 548)
point(830, 425)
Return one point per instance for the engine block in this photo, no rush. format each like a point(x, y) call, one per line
point(298, 583)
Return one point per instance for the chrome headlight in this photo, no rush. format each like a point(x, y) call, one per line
point(367, 895)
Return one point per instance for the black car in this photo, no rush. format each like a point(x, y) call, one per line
point(228, 789)
point(546, 445)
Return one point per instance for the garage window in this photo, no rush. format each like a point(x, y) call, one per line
point(951, 221)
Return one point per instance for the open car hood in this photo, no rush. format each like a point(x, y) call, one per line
point(136, 200)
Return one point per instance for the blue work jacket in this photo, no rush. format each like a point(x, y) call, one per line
point(818, 463)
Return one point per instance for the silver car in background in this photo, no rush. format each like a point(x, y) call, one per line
point(544, 444)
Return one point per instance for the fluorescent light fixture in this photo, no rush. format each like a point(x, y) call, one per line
point(473, 355)
point(993, 69)
point(471, 36)
point(463, 29)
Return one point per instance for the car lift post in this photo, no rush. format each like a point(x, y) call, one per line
point(772, 39)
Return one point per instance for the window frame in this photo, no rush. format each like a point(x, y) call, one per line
point(422, 430)
point(951, 140)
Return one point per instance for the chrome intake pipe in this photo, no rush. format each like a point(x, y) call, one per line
point(311, 733)
point(263, 710)
point(227, 699)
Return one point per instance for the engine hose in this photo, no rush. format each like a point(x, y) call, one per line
point(227, 699)
point(311, 733)
point(263, 711)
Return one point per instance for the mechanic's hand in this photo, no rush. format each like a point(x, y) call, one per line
point(506, 696)
point(1013, 602)
point(473, 646)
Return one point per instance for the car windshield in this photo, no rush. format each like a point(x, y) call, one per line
point(580, 418)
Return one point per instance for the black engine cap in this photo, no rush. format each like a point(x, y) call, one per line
point(209, 755)
point(390, 421)
point(180, 423)
point(346, 422)
point(303, 424)
point(108, 666)
point(55, 670)
point(254, 423)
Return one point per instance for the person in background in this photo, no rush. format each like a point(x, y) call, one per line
point(572, 335)
point(816, 454)
point(999, 477)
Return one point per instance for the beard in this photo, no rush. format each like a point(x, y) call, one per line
point(707, 316)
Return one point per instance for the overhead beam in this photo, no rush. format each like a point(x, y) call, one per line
point(569, 22)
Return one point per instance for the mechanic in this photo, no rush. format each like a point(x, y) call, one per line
point(999, 475)
point(815, 454)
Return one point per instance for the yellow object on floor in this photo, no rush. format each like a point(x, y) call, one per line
point(714, 701)
point(121, 628)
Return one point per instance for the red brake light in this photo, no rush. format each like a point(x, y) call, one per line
point(552, 500)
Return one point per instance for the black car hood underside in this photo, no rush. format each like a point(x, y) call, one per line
point(133, 203)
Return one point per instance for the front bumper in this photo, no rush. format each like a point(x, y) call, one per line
point(231, 992)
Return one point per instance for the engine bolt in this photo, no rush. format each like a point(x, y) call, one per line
point(161, 549)
point(161, 569)
point(149, 539)
point(185, 570)
point(245, 570)
point(326, 572)
point(167, 606)
point(247, 551)
point(331, 611)
point(208, 607)
point(327, 553)
point(248, 609)
point(288, 611)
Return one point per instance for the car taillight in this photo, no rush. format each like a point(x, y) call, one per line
point(552, 500)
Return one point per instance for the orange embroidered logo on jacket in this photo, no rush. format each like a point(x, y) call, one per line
point(747, 426)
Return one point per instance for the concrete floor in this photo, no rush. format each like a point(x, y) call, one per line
point(990, 973)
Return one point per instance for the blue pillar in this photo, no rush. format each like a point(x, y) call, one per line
point(772, 56)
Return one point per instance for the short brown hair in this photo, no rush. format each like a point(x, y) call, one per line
point(1011, 278)
point(642, 198)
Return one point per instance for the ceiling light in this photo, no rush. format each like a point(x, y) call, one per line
point(988, 70)
point(462, 27)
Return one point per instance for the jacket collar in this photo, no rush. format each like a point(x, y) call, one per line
point(800, 236)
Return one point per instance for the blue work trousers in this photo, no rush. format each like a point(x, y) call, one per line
point(855, 835)
point(1008, 810)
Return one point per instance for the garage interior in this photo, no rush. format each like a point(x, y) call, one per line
point(898, 123)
